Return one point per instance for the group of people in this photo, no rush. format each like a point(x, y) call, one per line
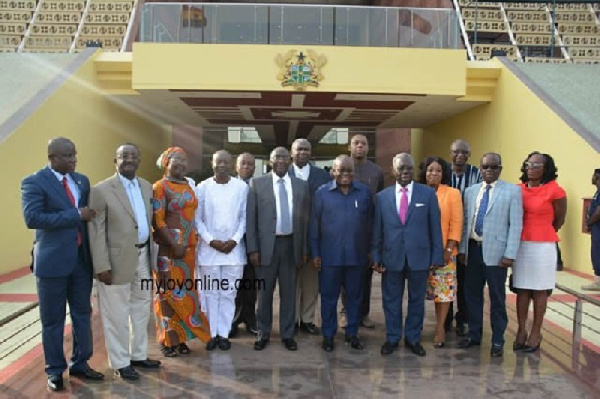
point(445, 236)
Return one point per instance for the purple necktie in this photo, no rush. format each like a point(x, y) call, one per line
point(403, 205)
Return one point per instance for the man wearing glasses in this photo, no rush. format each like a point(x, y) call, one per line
point(464, 175)
point(493, 221)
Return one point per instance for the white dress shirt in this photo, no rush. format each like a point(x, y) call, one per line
point(136, 200)
point(302, 173)
point(399, 195)
point(288, 188)
point(72, 185)
point(474, 235)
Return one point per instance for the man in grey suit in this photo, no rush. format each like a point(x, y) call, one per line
point(307, 280)
point(493, 212)
point(277, 214)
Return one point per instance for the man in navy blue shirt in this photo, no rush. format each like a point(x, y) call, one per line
point(339, 239)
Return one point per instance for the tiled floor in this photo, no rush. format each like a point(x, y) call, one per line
point(555, 372)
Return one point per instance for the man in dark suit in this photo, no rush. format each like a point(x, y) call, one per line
point(407, 242)
point(54, 202)
point(277, 214)
point(307, 280)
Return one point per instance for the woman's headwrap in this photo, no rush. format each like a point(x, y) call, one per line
point(166, 156)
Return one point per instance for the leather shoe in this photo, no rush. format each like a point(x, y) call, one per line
point(467, 343)
point(146, 364)
point(224, 344)
point(127, 373)
point(327, 344)
point(355, 343)
point(212, 344)
point(260, 344)
point(309, 328)
point(497, 350)
point(252, 329)
point(388, 348)
point(88, 374)
point(416, 348)
point(290, 344)
point(461, 330)
point(55, 382)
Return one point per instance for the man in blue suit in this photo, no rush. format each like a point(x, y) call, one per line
point(54, 202)
point(307, 278)
point(493, 221)
point(407, 242)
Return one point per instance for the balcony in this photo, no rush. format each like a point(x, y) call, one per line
point(325, 25)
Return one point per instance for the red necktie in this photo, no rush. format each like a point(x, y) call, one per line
point(72, 199)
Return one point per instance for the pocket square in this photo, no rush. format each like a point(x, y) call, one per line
point(419, 204)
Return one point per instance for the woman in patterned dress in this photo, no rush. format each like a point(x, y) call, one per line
point(441, 284)
point(178, 313)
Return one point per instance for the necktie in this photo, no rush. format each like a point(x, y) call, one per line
point(72, 199)
point(286, 223)
point(482, 210)
point(403, 211)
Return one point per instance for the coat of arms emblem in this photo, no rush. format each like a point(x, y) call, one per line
point(300, 70)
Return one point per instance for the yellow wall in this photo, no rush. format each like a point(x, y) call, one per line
point(514, 124)
point(348, 69)
point(79, 111)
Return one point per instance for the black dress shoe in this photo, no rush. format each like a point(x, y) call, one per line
point(327, 344)
point(127, 373)
point(252, 329)
point(467, 343)
point(146, 364)
point(212, 344)
point(355, 343)
point(55, 382)
point(88, 374)
point(416, 348)
point(388, 347)
point(290, 344)
point(224, 344)
point(497, 350)
point(260, 344)
point(309, 328)
point(461, 330)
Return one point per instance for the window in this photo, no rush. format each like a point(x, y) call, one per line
point(335, 136)
point(242, 135)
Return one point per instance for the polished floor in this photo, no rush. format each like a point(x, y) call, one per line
point(557, 371)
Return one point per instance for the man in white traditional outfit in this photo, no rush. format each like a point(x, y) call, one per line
point(221, 224)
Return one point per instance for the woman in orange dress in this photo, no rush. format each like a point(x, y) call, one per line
point(441, 284)
point(178, 313)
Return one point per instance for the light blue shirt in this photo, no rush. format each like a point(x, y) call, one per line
point(134, 193)
point(71, 183)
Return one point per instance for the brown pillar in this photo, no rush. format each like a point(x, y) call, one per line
point(388, 143)
point(190, 139)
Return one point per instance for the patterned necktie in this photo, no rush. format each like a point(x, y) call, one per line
point(482, 210)
point(286, 224)
point(72, 199)
point(403, 211)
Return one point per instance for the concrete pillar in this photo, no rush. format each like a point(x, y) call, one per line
point(388, 143)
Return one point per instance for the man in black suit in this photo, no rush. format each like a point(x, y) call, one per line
point(276, 218)
point(307, 279)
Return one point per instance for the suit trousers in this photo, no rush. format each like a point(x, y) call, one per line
point(367, 282)
point(331, 280)
point(125, 311)
point(477, 275)
point(220, 296)
point(307, 293)
point(245, 299)
point(54, 293)
point(392, 286)
point(282, 268)
point(595, 252)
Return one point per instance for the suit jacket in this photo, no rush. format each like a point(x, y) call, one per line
point(261, 218)
point(451, 213)
point(48, 210)
point(419, 240)
point(502, 224)
point(316, 178)
point(113, 232)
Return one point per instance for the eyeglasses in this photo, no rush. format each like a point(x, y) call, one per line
point(492, 167)
point(534, 165)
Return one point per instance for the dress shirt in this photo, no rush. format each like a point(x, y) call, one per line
point(340, 225)
point(136, 200)
point(399, 194)
point(71, 183)
point(288, 187)
point(475, 236)
point(302, 173)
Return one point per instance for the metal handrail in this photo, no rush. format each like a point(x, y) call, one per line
point(187, 3)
